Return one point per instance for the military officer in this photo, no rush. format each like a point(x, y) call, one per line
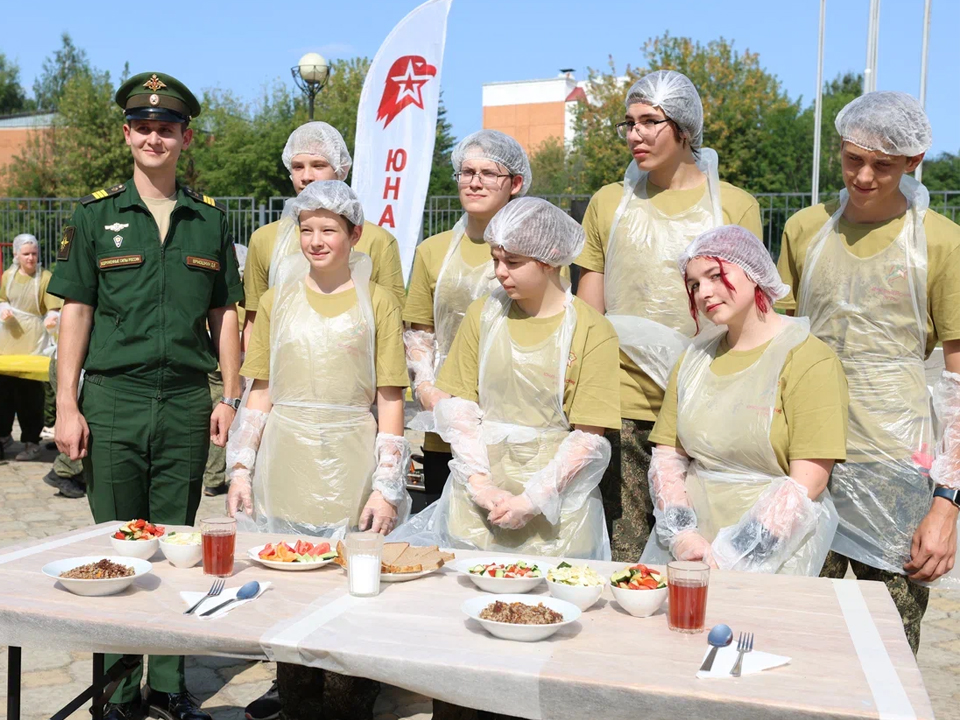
point(144, 266)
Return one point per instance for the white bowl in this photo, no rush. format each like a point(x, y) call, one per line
point(583, 596)
point(640, 603)
point(182, 556)
point(143, 549)
point(95, 588)
point(500, 585)
point(523, 633)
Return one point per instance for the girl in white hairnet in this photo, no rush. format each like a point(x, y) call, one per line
point(528, 389)
point(753, 420)
point(877, 272)
point(326, 347)
point(29, 319)
point(635, 231)
point(450, 271)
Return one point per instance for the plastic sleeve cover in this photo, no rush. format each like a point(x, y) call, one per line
point(421, 350)
point(946, 401)
point(570, 476)
point(671, 507)
point(244, 443)
point(770, 532)
point(390, 477)
point(458, 423)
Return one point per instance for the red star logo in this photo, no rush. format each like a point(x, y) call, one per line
point(404, 86)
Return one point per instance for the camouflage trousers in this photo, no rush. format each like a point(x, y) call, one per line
point(626, 492)
point(308, 693)
point(911, 599)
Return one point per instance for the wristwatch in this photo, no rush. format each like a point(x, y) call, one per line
point(948, 494)
point(232, 402)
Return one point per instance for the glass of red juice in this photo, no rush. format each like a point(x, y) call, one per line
point(219, 536)
point(687, 584)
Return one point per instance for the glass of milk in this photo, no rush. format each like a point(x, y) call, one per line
point(364, 550)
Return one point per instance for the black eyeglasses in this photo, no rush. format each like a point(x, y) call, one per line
point(645, 128)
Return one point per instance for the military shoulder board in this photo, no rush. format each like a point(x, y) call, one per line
point(199, 197)
point(101, 194)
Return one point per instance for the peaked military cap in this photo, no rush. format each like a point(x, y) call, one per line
point(157, 96)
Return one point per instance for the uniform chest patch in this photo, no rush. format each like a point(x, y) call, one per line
point(204, 263)
point(120, 261)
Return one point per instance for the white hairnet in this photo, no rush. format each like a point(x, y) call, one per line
point(24, 239)
point(889, 122)
point(318, 138)
point(333, 195)
point(676, 95)
point(739, 246)
point(241, 256)
point(499, 147)
point(535, 228)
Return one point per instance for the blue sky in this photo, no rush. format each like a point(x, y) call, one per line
point(243, 45)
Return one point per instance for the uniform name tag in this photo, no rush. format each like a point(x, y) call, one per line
point(204, 263)
point(112, 263)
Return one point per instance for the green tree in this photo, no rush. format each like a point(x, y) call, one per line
point(942, 172)
point(65, 64)
point(553, 169)
point(12, 97)
point(441, 172)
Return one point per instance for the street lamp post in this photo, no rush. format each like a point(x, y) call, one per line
point(310, 75)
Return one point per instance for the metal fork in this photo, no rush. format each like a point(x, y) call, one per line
point(215, 590)
point(744, 645)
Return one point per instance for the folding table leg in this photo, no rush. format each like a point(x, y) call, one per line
point(13, 683)
point(97, 709)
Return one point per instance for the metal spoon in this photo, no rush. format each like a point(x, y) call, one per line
point(720, 636)
point(246, 591)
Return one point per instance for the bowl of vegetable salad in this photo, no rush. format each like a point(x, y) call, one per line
point(503, 574)
point(639, 590)
point(580, 585)
point(138, 539)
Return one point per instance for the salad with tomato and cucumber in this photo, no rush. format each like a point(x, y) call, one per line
point(139, 530)
point(518, 569)
point(638, 577)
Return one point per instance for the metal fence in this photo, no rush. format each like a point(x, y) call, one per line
point(45, 217)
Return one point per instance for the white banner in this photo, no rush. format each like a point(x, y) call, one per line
point(397, 125)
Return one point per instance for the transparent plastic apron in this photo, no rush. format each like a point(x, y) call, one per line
point(723, 423)
point(643, 293)
point(316, 458)
point(521, 396)
point(872, 312)
point(24, 333)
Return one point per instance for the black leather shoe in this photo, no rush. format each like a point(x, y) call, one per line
point(123, 711)
point(174, 706)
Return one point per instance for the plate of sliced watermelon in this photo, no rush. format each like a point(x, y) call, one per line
point(296, 555)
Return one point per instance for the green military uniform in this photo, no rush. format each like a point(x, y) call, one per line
point(145, 396)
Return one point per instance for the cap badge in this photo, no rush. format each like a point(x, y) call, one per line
point(154, 99)
point(154, 84)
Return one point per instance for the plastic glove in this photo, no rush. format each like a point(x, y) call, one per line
point(514, 513)
point(770, 532)
point(421, 352)
point(390, 477)
point(573, 472)
point(378, 515)
point(458, 422)
point(6, 311)
point(946, 400)
point(244, 442)
point(240, 493)
point(671, 507)
point(486, 494)
point(691, 545)
point(51, 320)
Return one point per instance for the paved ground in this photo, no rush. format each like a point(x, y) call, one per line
point(29, 508)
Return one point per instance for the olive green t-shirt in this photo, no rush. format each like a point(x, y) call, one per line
point(376, 242)
point(640, 396)
point(391, 365)
point(810, 414)
point(47, 302)
point(866, 240)
point(590, 395)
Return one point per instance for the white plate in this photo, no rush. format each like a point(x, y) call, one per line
point(500, 585)
point(522, 633)
point(252, 553)
point(96, 588)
